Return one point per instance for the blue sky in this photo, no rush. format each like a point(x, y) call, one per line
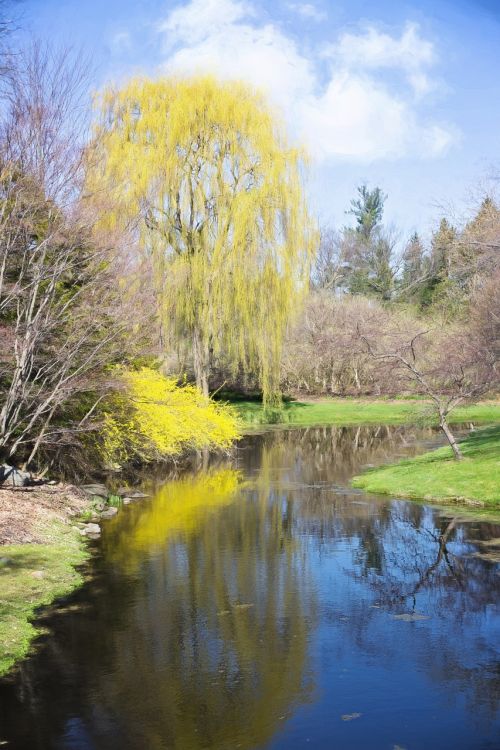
point(399, 94)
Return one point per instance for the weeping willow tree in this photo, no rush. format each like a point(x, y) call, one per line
point(207, 169)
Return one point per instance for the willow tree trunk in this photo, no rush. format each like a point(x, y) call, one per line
point(201, 361)
point(450, 437)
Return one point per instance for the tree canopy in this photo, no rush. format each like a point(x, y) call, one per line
point(206, 169)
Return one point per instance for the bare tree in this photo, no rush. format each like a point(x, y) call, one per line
point(451, 367)
point(63, 317)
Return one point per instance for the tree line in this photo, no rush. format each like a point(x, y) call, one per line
point(139, 242)
point(424, 321)
point(163, 238)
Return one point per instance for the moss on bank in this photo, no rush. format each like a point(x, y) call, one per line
point(436, 476)
point(32, 575)
point(350, 411)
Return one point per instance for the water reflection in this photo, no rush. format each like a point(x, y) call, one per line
point(256, 603)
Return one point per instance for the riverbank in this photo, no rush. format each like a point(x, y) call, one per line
point(436, 477)
point(40, 550)
point(351, 411)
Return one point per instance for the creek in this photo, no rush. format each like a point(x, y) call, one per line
point(260, 603)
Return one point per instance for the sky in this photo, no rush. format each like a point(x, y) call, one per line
point(401, 95)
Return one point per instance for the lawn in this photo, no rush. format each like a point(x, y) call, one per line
point(32, 575)
point(436, 476)
point(347, 411)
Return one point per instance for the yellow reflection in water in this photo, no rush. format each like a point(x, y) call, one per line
point(180, 507)
point(212, 653)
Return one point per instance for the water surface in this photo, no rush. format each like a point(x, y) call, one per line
point(259, 603)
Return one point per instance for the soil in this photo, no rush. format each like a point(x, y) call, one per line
point(25, 512)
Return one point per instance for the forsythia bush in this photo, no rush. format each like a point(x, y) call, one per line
point(155, 418)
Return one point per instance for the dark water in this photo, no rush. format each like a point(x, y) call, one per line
point(260, 604)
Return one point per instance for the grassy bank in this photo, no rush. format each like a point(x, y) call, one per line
point(436, 476)
point(32, 575)
point(39, 552)
point(347, 411)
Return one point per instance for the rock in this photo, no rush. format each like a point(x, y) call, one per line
point(38, 574)
point(350, 717)
point(109, 512)
point(95, 490)
point(13, 477)
point(134, 497)
point(99, 505)
point(124, 491)
point(91, 528)
point(5, 562)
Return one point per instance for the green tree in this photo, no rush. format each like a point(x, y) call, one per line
point(415, 272)
point(367, 209)
point(442, 250)
point(368, 248)
point(206, 169)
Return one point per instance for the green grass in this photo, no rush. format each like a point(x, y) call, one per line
point(347, 411)
point(437, 477)
point(32, 575)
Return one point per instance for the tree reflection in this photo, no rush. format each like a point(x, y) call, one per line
point(406, 558)
point(198, 638)
point(198, 621)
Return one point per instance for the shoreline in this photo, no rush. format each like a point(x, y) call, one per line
point(347, 411)
point(41, 555)
point(44, 532)
point(435, 477)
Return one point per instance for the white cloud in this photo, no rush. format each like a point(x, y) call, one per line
point(344, 102)
point(375, 50)
point(198, 19)
point(307, 10)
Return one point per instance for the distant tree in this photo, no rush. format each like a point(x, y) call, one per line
point(415, 273)
point(367, 249)
point(381, 278)
point(450, 366)
point(323, 353)
point(478, 248)
point(368, 210)
point(413, 262)
point(207, 172)
point(439, 287)
point(442, 250)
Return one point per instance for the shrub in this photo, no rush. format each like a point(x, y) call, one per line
point(155, 418)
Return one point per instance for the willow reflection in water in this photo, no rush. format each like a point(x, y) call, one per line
point(197, 636)
point(260, 602)
point(219, 632)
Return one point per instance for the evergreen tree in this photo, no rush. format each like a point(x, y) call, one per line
point(442, 250)
point(368, 249)
point(367, 209)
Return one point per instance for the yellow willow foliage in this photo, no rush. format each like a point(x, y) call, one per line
point(158, 418)
point(206, 167)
